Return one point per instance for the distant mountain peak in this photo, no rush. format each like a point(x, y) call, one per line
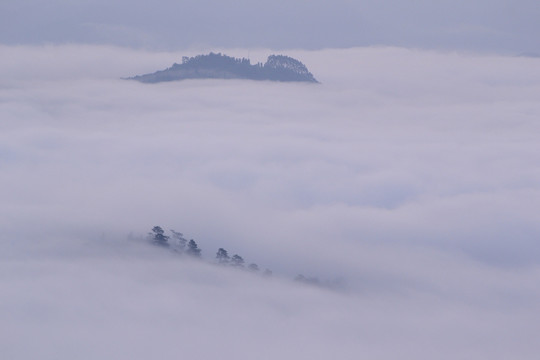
point(219, 66)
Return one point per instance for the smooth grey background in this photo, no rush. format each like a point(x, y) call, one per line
point(481, 25)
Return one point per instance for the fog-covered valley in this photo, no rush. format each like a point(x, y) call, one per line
point(410, 178)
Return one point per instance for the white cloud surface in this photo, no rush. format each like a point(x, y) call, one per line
point(412, 177)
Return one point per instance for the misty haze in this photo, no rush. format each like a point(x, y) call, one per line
point(374, 194)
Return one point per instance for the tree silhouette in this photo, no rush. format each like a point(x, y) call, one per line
point(219, 66)
point(158, 236)
point(181, 241)
point(253, 267)
point(237, 261)
point(193, 249)
point(222, 256)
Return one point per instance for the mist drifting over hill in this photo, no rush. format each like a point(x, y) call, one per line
point(412, 177)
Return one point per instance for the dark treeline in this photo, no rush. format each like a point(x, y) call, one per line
point(219, 66)
point(177, 243)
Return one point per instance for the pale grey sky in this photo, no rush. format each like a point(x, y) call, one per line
point(480, 25)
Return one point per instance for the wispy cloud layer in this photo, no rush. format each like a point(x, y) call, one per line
point(412, 177)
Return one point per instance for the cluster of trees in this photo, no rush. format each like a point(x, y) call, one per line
point(178, 243)
point(158, 237)
point(213, 60)
point(219, 66)
point(236, 260)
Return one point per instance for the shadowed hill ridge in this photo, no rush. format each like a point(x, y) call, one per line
point(219, 66)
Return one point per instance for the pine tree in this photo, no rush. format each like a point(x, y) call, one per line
point(181, 241)
point(193, 249)
point(253, 267)
point(237, 261)
point(222, 256)
point(158, 236)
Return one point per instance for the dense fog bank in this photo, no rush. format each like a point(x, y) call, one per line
point(411, 177)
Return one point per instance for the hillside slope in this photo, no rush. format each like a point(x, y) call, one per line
point(218, 66)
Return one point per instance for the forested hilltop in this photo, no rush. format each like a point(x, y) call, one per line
point(219, 66)
point(180, 245)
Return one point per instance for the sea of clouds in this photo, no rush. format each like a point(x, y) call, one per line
point(408, 179)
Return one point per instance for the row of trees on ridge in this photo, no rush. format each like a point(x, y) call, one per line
point(181, 245)
point(178, 243)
